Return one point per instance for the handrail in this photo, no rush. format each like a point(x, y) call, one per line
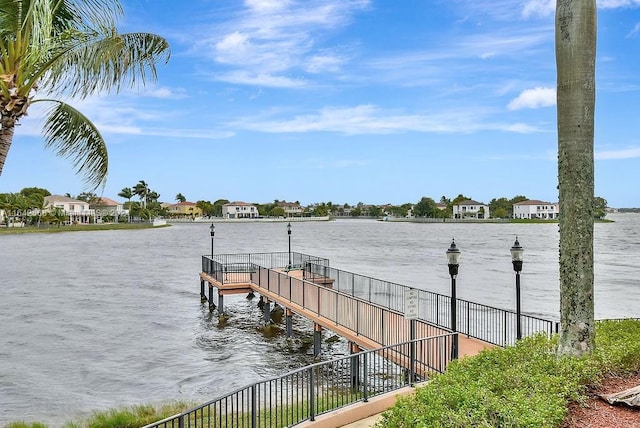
point(487, 323)
point(305, 393)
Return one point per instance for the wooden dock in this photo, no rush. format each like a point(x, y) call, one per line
point(362, 323)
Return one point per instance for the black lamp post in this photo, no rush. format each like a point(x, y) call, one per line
point(517, 256)
point(453, 256)
point(289, 233)
point(212, 229)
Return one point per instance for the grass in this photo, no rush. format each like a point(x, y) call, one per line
point(75, 228)
point(526, 385)
point(138, 416)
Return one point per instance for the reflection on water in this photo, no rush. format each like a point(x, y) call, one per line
point(109, 318)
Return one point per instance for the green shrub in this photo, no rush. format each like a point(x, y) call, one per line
point(526, 385)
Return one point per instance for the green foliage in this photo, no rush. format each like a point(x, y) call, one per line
point(599, 208)
point(29, 191)
point(426, 207)
point(527, 385)
point(503, 207)
point(25, 425)
point(618, 345)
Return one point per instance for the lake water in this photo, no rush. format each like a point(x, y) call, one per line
point(94, 320)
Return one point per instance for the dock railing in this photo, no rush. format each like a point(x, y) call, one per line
point(378, 323)
point(323, 387)
point(232, 268)
point(490, 324)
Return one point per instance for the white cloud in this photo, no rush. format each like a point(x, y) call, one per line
point(544, 8)
point(618, 154)
point(260, 79)
point(321, 63)
point(368, 119)
point(273, 37)
point(539, 8)
point(266, 5)
point(534, 98)
point(635, 30)
point(165, 93)
point(613, 4)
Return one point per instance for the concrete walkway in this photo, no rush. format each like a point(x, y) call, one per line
point(364, 423)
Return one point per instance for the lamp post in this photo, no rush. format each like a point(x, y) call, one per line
point(289, 233)
point(212, 229)
point(453, 256)
point(517, 256)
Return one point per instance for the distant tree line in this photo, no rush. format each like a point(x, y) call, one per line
point(148, 205)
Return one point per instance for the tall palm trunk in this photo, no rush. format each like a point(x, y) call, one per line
point(7, 128)
point(575, 59)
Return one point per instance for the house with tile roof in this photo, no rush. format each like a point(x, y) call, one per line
point(291, 208)
point(536, 209)
point(239, 209)
point(471, 209)
point(77, 211)
point(108, 210)
point(184, 210)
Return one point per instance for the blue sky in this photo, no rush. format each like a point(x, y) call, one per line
point(353, 101)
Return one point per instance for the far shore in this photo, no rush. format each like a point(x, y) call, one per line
point(76, 228)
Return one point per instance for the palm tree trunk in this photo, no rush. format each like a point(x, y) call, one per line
point(7, 128)
point(575, 59)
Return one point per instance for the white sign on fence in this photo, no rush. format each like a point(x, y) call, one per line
point(411, 304)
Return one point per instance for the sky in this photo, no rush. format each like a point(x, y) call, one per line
point(373, 101)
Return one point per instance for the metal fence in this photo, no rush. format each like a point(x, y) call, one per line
point(487, 323)
point(380, 324)
point(305, 393)
point(233, 268)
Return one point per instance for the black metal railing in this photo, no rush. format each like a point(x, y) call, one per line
point(233, 268)
point(305, 393)
point(487, 323)
point(380, 324)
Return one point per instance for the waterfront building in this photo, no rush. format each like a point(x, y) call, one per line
point(77, 211)
point(184, 209)
point(471, 209)
point(239, 210)
point(535, 209)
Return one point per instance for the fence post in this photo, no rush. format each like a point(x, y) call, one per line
point(254, 407)
point(504, 343)
point(312, 397)
point(365, 377)
point(181, 421)
point(412, 352)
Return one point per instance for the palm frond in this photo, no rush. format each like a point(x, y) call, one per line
point(71, 135)
point(109, 61)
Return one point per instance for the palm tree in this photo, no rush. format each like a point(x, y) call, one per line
point(68, 47)
point(127, 193)
point(575, 59)
point(141, 190)
point(180, 198)
point(38, 203)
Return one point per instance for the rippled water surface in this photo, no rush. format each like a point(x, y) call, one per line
point(95, 320)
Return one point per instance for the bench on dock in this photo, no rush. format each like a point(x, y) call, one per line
point(292, 267)
point(239, 268)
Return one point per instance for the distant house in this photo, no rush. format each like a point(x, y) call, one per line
point(535, 209)
point(184, 209)
point(239, 210)
point(291, 208)
point(105, 207)
point(471, 209)
point(76, 211)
